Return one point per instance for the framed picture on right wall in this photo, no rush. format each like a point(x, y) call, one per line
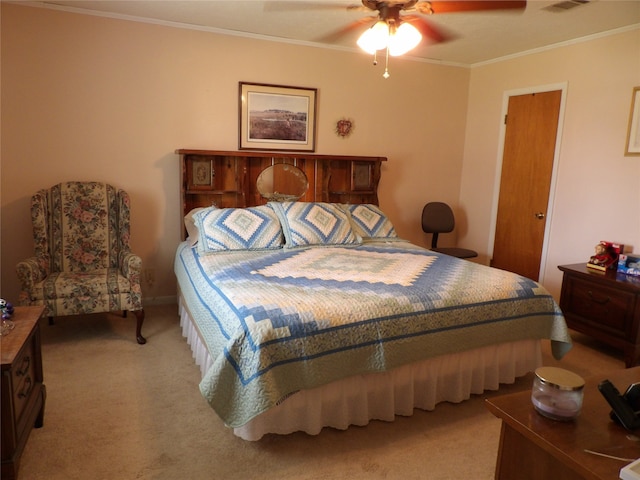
point(633, 132)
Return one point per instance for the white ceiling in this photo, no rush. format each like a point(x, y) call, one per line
point(478, 37)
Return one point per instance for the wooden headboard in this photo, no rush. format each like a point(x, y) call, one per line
point(228, 178)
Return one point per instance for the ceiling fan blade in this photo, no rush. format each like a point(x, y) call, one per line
point(338, 34)
point(427, 29)
point(297, 6)
point(454, 6)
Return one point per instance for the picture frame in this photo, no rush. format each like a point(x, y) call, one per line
point(361, 178)
point(200, 174)
point(277, 117)
point(633, 131)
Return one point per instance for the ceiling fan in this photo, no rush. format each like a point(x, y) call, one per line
point(392, 13)
point(399, 26)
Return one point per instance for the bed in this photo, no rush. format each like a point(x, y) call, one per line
point(306, 315)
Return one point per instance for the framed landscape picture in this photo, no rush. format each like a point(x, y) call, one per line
point(277, 117)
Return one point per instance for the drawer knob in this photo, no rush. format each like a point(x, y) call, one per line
point(27, 388)
point(24, 368)
point(601, 301)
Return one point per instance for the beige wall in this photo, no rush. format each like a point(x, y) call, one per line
point(93, 98)
point(597, 194)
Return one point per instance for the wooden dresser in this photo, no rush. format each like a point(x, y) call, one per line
point(23, 393)
point(605, 306)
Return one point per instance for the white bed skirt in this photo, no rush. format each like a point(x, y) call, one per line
point(382, 396)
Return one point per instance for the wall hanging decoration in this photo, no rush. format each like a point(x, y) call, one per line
point(344, 127)
point(277, 117)
point(633, 131)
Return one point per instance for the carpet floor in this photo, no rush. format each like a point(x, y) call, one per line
point(119, 410)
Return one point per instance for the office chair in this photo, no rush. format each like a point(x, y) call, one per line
point(437, 217)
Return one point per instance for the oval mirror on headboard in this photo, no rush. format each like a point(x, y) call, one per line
point(282, 183)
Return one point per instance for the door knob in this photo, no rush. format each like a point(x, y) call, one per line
point(539, 215)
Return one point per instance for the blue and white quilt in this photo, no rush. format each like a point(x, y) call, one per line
point(279, 321)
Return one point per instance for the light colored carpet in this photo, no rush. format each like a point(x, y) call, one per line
point(118, 410)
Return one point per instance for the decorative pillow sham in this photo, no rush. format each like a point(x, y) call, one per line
point(254, 228)
point(370, 222)
point(314, 223)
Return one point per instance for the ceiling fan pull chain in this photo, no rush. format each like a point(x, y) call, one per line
point(386, 65)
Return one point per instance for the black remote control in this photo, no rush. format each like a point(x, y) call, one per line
point(620, 405)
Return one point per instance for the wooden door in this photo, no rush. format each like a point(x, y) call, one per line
point(527, 165)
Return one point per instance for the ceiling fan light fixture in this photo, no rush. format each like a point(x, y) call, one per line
point(374, 38)
point(406, 38)
point(382, 35)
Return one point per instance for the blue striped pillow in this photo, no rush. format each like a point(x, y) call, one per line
point(314, 223)
point(255, 228)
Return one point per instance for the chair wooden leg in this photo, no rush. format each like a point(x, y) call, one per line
point(51, 321)
point(140, 318)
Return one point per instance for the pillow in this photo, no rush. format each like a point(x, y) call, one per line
point(370, 222)
point(314, 223)
point(255, 228)
point(190, 226)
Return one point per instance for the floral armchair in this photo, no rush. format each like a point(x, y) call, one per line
point(83, 262)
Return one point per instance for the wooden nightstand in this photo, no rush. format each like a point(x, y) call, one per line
point(605, 306)
point(23, 393)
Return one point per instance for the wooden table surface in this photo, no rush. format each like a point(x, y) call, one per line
point(25, 320)
point(567, 442)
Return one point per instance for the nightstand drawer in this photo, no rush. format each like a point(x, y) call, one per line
point(23, 378)
point(608, 307)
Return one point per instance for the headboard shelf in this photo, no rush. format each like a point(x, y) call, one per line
point(277, 155)
point(229, 178)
